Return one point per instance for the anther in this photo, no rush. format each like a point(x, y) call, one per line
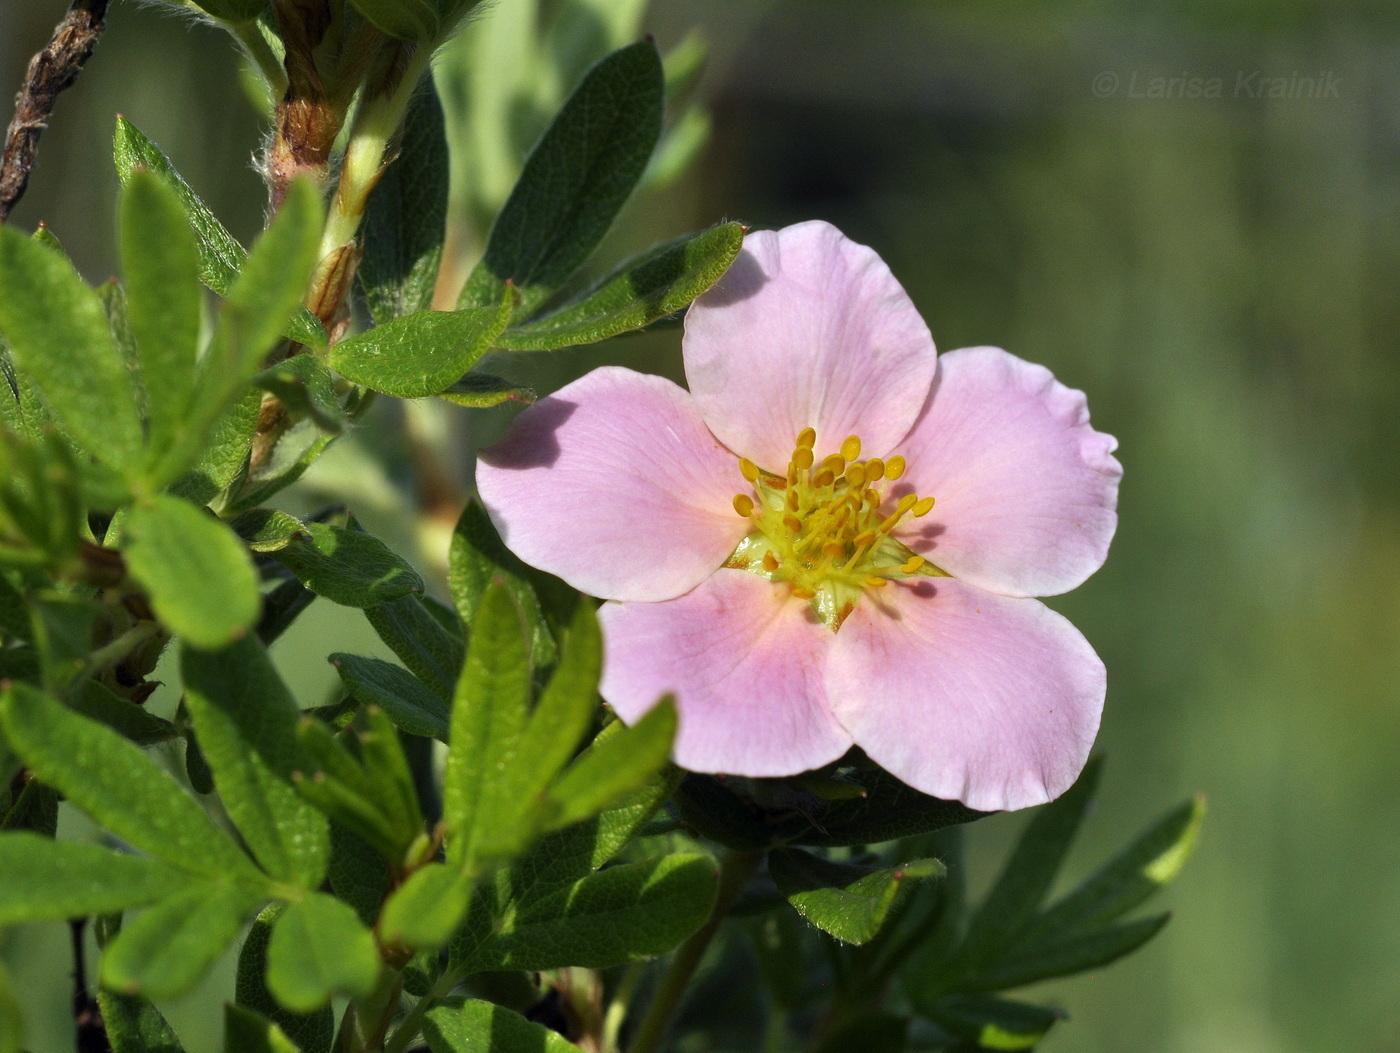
point(770, 562)
point(876, 582)
point(802, 594)
point(874, 470)
point(743, 504)
point(907, 502)
point(834, 549)
point(894, 467)
point(924, 507)
point(891, 522)
point(792, 475)
point(855, 476)
point(850, 449)
point(792, 523)
point(748, 469)
point(872, 498)
point(802, 457)
point(807, 438)
point(792, 500)
point(835, 463)
point(824, 478)
point(912, 564)
point(863, 538)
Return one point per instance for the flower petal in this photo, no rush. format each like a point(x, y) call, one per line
point(807, 329)
point(1026, 489)
point(614, 484)
point(990, 700)
point(744, 661)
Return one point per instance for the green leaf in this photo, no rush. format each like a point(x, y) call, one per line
point(200, 580)
point(357, 873)
point(220, 256)
point(14, 617)
point(167, 950)
point(59, 337)
point(995, 1023)
point(44, 880)
point(484, 1027)
point(717, 812)
point(1125, 881)
point(113, 782)
point(312, 1032)
point(320, 949)
point(266, 530)
point(482, 391)
point(281, 607)
point(12, 1018)
point(621, 914)
point(431, 653)
point(405, 19)
point(347, 566)
point(849, 902)
point(656, 283)
point(159, 262)
point(425, 910)
point(575, 181)
point(406, 217)
point(128, 719)
point(306, 389)
point(618, 762)
point(1073, 954)
point(478, 557)
point(888, 810)
point(1029, 873)
point(248, 1032)
point(246, 721)
point(398, 692)
point(421, 354)
point(34, 809)
point(489, 712)
point(871, 1031)
point(233, 10)
point(225, 453)
point(133, 1025)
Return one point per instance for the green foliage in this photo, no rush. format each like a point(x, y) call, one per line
point(135, 1026)
point(319, 949)
point(249, 1032)
point(347, 566)
point(576, 180)
point(482, 1027)
point(849, 902)
point(43, 880)
point(199, 578)
point(312, 1032)
point(407, 701)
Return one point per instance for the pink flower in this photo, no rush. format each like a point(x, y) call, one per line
point(871, 583)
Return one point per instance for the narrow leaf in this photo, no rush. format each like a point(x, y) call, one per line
point(995, 1023)
point(59, 337)
point(1150, 862)
point(246, 721)
point(616, 764)
point(659, 282)
point(406, 217)
point(482, 391)
point(347, 566)
point(849, 902)
point(304, 386)
point(575, 181)
point(167, 950)
point(419, 640)
point(1071, 955)
point(133, 1025)
point(398, 692)
point(425, 910)
point(320, 949)
point(478, 557)
point(484, 1027)
point(489, 712)
point(421, 354)
point(159, 263)
point(200, 580)
point(220, 255)
point(113, 782)
point(248, 1032)
point(44, 880)
point(12, 1017)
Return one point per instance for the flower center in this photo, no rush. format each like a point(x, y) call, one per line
point(825, 528)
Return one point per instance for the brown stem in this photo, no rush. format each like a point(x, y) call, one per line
point(50, 71)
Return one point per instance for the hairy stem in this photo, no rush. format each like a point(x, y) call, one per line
point(735, 870)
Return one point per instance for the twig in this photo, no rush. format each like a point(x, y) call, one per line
point(52, 70)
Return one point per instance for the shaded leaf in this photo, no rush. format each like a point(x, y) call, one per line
point(1071, 955)
point(305, 387)
point(431, 653)
point(476, 558)
point(347, 566)
point(266, 530)
point(398, 692)
point(482, 391)
point(357, 873)
point(246, 720)
point(248, 1032)
point(619, 761)
point(484, 1027)
point(867, 1032)
point(133, 1025)
point(575, 181)
point(122, 716)
point(312, 1032)
point(425, 910)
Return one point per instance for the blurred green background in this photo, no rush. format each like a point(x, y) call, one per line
point(1219, 274)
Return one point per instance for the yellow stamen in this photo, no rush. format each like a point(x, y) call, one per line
point(802, 457)
point(872, 498)
point(807, 438)
point(863, 538)
point(793, 501)
point(792, 523)
point(890, 523)
point(803, 593)
point(923, 507)
point(894, 467)
point(748, 469)
point(743, 504)
point(835, 463)
point(855, 476)
point(850, 449)
point(912, 564)
point(770, 562)
point(834, 549)
point(874, 470)
point(824, 479)
point(877, 583)
point(907, 502)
